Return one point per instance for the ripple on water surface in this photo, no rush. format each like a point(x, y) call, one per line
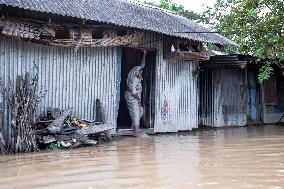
point(248, 157)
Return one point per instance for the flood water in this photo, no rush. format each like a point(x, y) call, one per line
point(249, 157)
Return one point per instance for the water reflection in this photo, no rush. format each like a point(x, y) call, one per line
point(249, 157)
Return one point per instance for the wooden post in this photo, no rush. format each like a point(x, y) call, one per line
point(99, 112)
point(80, 39)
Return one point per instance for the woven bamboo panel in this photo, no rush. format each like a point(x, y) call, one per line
point(109, 39)
point(39, 32)
point(23, 29)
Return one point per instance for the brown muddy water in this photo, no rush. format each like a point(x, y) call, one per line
point(249, 157)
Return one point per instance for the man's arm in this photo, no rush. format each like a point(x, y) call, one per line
point(144, 57)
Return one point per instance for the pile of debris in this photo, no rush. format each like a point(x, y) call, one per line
point(57, 129)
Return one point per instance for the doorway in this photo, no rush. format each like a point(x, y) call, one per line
point(132, 57)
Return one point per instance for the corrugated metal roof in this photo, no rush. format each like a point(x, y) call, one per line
point(123, 13)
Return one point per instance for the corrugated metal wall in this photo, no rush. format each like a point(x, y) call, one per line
point(176, 97)
point(72, 80)
point(228, 105)
point(229, 98)
point(75, 80)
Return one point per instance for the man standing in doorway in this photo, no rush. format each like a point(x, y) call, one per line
point(133, 94)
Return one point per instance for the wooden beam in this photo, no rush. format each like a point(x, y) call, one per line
point(80, 39)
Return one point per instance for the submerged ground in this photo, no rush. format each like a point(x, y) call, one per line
point(248, 157)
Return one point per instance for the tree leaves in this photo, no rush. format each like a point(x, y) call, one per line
point(179, 9)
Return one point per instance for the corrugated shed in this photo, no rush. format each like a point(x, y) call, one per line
point(72, 80)
point(223, 98)
point(123, 13)
point(176, 94)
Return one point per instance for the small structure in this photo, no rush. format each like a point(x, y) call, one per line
point(222, 86)
point(85, 49)
point(230, 94)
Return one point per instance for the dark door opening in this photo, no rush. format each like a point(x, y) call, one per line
point(132, 57)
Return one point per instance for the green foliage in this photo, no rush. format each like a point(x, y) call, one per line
point(178, 9)
point(265, 71)
point(55, 147)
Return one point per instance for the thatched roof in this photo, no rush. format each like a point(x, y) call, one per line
point(123, 13)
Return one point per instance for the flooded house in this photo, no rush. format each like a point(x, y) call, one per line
point(230, 94)
point(84, 50)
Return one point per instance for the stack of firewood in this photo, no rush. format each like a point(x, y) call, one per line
point(22, 103)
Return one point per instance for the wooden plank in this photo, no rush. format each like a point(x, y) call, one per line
point(96, 129)
point(270, 91)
